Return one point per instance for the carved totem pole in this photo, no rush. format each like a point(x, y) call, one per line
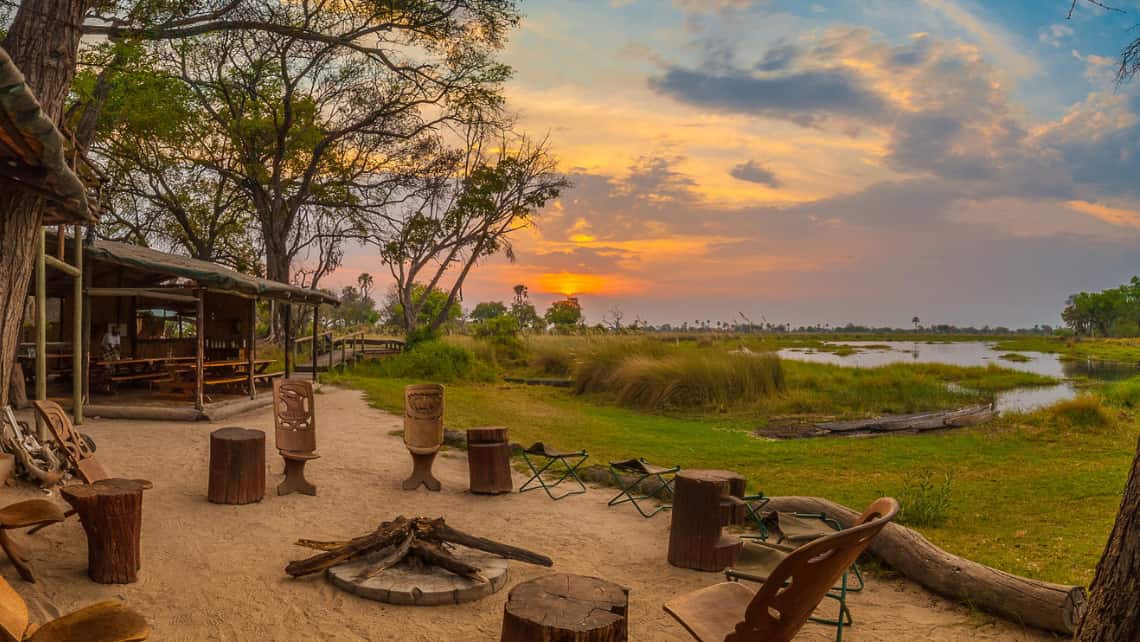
point(423, 432)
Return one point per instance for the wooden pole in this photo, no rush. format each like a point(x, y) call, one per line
point(200, 355)
point(77, 331)
point(251, 349)
point(41, 328)
point(288, 340)
point(86, 329)
point(316, 328)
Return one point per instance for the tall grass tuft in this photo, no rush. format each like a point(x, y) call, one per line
point(925, 498)
point(1084, 413)
point(1124, 393)
point(603, 357)
point(695, 380)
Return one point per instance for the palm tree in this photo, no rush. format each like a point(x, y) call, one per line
point(365, 283)
point(916, 323)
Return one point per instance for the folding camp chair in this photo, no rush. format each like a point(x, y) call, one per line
point(789, 593)
point(644, 471)
point(782, 533)
point(569, 460)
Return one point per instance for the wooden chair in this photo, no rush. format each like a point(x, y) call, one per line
point(78, 453)
point(296, 432)
point(100, 622)
point(32, 512)
point(732, 612)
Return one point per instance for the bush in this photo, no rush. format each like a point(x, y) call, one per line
point(924, 499)
point(432, 361)
point(550, 358)
point(1082, 413)
point(605, 356)
point(1124, 393)
point(502, 333)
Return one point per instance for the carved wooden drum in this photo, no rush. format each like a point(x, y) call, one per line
point(423, 418)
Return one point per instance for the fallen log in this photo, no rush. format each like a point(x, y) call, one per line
point(389, 533)
point(1043, 605)
point(912, 423)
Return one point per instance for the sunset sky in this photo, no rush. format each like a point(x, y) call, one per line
point(967, 162)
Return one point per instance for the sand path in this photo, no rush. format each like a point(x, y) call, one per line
point(216, 572)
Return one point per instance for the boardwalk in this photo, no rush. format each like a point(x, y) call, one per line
point(346, 350)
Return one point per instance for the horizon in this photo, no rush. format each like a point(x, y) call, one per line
point(783, 160)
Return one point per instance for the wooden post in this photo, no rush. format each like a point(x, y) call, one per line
point(86, 330)
point(111, 513)
point(566, 608)
point(251, 348)
point(237, 466)
point(41, 328)
point(489, 460)
point(703, 502)
point(77, 309)
point(200, 354)
point(314, 346)
point(288, 339)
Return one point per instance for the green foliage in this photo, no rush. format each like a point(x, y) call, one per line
point(564, 315)
point(1124, 393)
point(601, 358)
point(431, 304)
point(1111, 312)
point(688, 380)
point(924, 499)
point(488, 310)
point(434, 361)
point(502, 333)
point(1015, 357)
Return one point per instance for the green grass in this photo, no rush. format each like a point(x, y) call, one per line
point(1015, 357)
point(1124, 350)
point(1032, 496)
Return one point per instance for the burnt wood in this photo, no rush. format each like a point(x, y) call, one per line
point(703, 502)
point(566, 608)
point(111, 513)
point(237, 466)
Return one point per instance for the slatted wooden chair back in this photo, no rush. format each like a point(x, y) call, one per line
point(294, 417)
point(786, 600)
point(13, 614)
point(78, 453)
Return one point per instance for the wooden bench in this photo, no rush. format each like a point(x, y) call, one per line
point(258, 376)
point(139, 377)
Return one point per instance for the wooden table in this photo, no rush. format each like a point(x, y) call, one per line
point(703, 502)
point(215, 373)
point(566, 608)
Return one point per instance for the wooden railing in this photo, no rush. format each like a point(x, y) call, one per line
point(347, 347)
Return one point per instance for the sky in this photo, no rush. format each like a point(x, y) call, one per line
point(825, 162)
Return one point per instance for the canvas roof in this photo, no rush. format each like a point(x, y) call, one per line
point(32, 151)
point(205, 273)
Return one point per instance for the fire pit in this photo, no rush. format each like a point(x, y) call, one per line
point(418, 561)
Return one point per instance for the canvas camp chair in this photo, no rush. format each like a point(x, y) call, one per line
point(31, 512)
point(101, 622)
point(548, 456)
point(733, 612)
point(788, 531)
point(642, 471)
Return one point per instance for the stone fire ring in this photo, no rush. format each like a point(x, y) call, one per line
point(431, 586)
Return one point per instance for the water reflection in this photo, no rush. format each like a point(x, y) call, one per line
point(976, 353)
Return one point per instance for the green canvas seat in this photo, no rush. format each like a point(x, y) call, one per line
point(642, 471)
point(548, 456)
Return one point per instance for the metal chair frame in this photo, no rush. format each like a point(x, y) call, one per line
point(536, 480)
point(626, 491)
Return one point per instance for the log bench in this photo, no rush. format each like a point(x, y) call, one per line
point(703, 502)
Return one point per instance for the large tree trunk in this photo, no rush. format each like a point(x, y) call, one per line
point(1112, 615)
point(44, 43)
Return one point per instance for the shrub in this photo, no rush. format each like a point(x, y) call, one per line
point(431, 361)
point(550, 358)
point(1124, 393)
point(605, 356)
point(924, 499)
point(1081, 413)
point(502, 333)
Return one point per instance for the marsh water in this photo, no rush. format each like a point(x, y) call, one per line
point(975, 353)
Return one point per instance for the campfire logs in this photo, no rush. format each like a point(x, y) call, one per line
point(417, 541)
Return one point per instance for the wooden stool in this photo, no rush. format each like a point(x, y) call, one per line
point(237, 466)
point(566, 608)
point(489, 460)
point(111, 513)
point(703, 502)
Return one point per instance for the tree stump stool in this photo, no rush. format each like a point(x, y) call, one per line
point(489, 460)
point(237, 466)
point(703, 502)
point(566, 608)
point(111, 513)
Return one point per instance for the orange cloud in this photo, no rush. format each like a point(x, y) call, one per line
point(1112, 215)
point(577, 283)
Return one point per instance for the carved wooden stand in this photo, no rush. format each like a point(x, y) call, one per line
point(423, 432)
point(296, 433)
point(703, 502)
point(111, 513)
point(566, 608)
point(421, 473)
point(237, 466)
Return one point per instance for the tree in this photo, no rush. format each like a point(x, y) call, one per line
point(364, 282)
point(435, 304)
point(489, 310)
point(497, 184)
point(614, 316)
point(917, 323)
point(523, 310)
point(564, 315)
point(355, 309)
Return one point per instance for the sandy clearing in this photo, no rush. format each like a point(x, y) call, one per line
point(216, 572)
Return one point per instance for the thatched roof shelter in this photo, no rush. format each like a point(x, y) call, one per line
point(34, 154)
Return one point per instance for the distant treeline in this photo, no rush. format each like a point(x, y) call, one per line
point(850, 328)
point(1109, 313)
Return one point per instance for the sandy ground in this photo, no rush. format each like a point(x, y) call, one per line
point(213, 572)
